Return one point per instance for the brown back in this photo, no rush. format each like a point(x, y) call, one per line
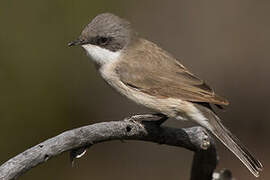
point(151, 70)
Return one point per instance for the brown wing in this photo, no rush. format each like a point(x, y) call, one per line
point(157, 73)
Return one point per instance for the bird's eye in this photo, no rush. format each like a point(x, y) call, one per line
point(103, 40)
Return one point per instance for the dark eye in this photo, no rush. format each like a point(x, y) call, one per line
point(103, 40)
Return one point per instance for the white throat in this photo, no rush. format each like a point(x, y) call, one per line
point(101, 55)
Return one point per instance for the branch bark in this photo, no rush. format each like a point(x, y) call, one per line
point(139, 127)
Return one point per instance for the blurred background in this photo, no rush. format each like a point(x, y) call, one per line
point(48, 88)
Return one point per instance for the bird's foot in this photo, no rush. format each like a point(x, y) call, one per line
point(157, 118)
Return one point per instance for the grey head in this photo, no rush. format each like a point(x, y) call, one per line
point(108, 31)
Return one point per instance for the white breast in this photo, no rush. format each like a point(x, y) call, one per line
point(100, 55)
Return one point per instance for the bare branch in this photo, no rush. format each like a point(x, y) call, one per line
point(139, 127)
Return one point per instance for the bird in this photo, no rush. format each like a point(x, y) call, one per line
point(150, 76)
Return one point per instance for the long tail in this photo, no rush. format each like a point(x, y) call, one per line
point(231, 142)
point(213, 124)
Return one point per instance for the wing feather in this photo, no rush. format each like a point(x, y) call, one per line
point(163, 76)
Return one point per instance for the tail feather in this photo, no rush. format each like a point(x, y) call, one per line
point(234, 145)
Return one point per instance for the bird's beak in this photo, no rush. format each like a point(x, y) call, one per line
point(76, 42)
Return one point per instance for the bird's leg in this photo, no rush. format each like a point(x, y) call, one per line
point(157, 118)
point(162, 119)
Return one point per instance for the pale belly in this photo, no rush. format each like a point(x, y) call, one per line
point(169, 106)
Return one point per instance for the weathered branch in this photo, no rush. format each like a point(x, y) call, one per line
point(139, 127)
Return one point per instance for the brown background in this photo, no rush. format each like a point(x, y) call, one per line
point(47, 88)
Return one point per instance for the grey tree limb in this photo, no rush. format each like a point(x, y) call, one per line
point(139, 127)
